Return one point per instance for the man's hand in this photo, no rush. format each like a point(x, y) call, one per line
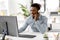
point(36, 17)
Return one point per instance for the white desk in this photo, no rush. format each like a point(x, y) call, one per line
point(38, 36)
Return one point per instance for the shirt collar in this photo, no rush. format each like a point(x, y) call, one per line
point(40, 16)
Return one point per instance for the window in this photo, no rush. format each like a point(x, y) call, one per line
point(3, 7)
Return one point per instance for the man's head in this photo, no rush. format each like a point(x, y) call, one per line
point(35, 7)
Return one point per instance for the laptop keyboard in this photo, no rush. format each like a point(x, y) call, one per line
point(27, 36)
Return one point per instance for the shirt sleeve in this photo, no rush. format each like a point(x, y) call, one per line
point(24, 27)
point(42, 25)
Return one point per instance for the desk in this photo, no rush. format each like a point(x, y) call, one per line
point(38, 37)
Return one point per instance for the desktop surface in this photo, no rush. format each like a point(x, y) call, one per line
point(39, 36)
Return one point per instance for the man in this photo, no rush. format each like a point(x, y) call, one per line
point(37, 22)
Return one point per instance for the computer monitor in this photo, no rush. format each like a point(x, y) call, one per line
point(10, 24)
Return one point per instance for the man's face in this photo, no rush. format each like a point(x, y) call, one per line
point(33, 10)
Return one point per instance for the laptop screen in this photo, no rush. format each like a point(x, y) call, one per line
point(11, 24)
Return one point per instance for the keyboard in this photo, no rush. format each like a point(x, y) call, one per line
point(27, 36)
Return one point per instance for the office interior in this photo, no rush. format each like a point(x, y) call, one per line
point(49, 8)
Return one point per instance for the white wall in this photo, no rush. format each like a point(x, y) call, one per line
point(52, 5)
point(14, 5)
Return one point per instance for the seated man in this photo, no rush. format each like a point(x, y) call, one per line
point(37, 22)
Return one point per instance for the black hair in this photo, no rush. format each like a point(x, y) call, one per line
point(38, 6)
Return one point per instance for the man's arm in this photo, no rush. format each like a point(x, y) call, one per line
point(23, 28)
point(42, 26)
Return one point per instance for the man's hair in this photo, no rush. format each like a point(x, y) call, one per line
point(38, 6)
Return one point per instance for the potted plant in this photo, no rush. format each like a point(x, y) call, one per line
point(45, 37)
point(25, 10)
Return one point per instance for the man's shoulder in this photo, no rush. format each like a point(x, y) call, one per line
point(29, 17)
point(44, 17)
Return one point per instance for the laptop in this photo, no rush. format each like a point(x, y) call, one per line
point(12, 26)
